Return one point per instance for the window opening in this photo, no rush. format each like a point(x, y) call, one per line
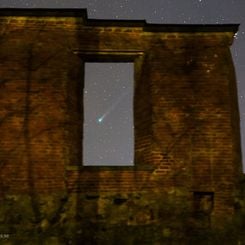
point(203, 202)
point(108, 130)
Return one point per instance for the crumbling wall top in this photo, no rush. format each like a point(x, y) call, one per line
point(148, 27)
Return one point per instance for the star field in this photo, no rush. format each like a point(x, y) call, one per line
point(160, 11)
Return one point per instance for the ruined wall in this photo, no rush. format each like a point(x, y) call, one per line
point(187, 155)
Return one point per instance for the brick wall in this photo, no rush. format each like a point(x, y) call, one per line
point(185, 108)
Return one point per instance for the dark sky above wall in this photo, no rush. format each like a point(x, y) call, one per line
point(163, 11)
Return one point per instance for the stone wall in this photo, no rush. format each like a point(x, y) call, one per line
point(187, 143)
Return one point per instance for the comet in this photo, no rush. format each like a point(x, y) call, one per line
point(111, 108)
point(100, 120)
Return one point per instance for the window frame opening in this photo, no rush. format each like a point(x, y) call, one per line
point(141, 162)
point(112, 56)
point(101, 147)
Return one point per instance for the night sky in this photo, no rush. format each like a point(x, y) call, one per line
point(108, 114)
point(113, 105)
